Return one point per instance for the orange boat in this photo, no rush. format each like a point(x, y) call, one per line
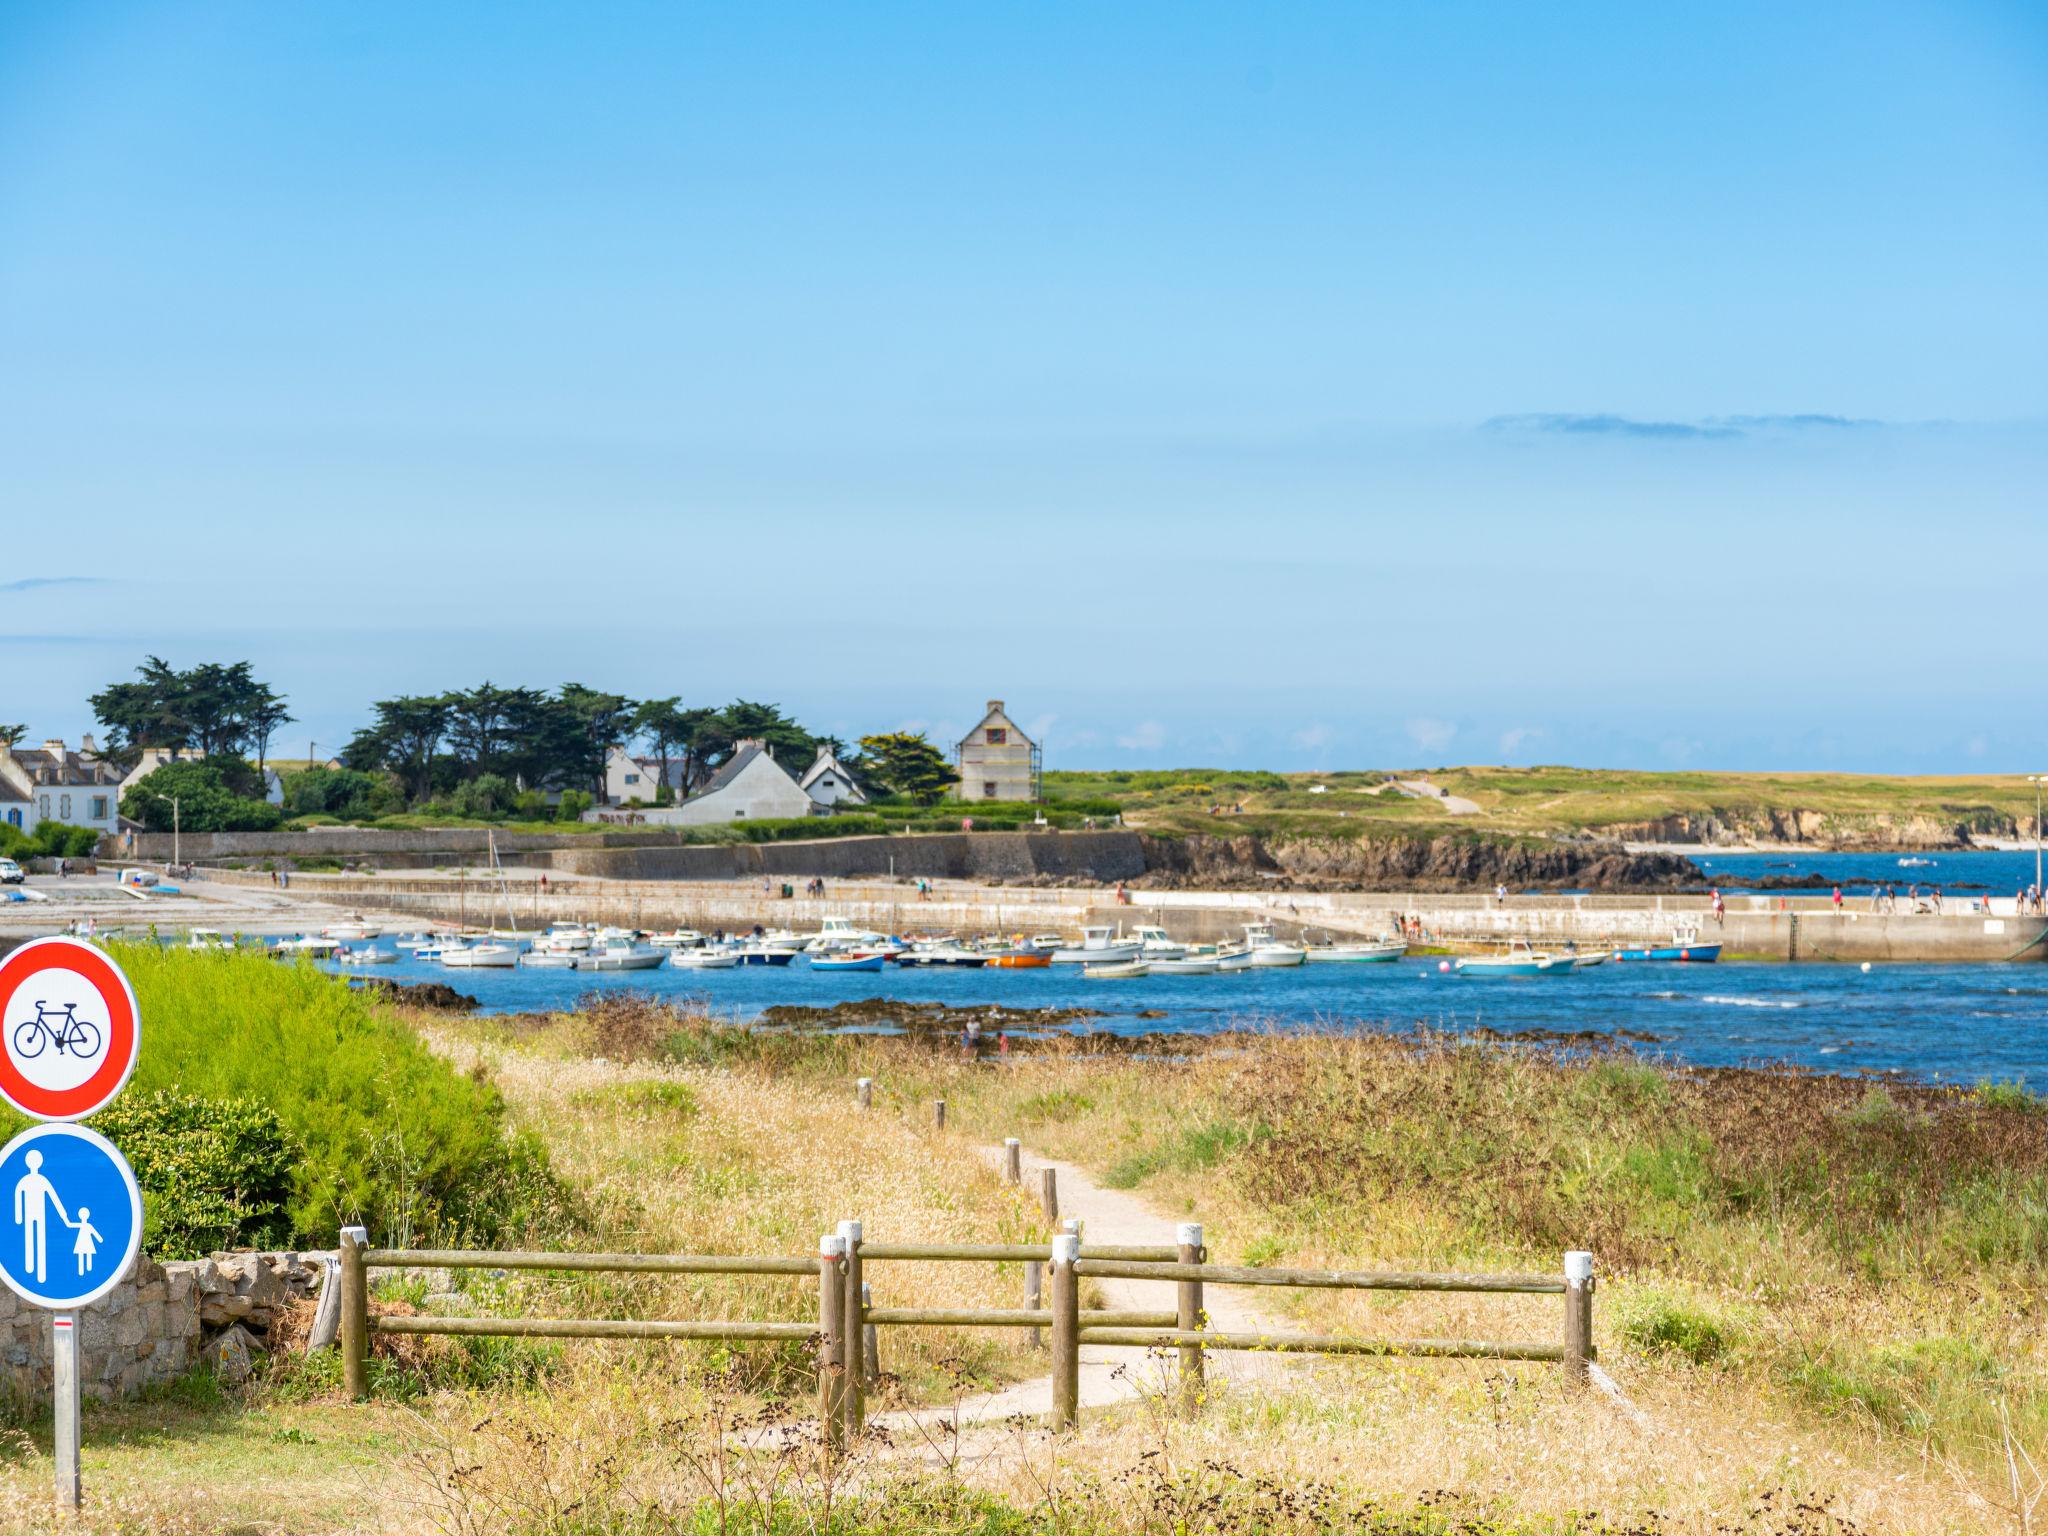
point(1019, 960)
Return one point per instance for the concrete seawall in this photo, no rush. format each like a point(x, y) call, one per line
point(1772, 928)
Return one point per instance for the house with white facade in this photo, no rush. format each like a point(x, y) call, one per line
point(751, 786)
point(627, 777)
point(827, 782)
point(53, 783)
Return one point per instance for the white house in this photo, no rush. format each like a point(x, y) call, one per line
point(752, 786)
point(53, 783)
point(627, 777)
point(827, 782)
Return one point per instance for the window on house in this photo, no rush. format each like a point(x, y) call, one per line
point(997, 736)
point(99, 807)
point(988, 790)
point(632, 778)
point(14, 818)
point(64, 802)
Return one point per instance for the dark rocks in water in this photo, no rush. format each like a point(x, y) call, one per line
point(881, 1012)
point(420, 994)
point(1450, 863)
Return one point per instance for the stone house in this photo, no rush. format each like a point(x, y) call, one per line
point(827, 782)
point(997, 761)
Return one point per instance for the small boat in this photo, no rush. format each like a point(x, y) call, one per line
point(1267, 951)
point(622, 957)
point(678, 938)
point(1153, 944)
point(1685, 946)
point(370, 956)
point(494, 957)
point(207, 938)
point(1123, 970)
point(413, 941)
point(1355, 954)
point(320, 948)
point(763, 954)
point(1517, 960)
point(1098, 946)
point(538, 959)
point(703, 959)
point(1019, 960)
point(837, 933)
point(849, 962)
point(353, 926)
point(943, 956)
point(1193, 965)
point(1587, 962)
point(1233, 959)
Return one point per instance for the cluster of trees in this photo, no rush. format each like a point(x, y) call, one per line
point(480, 752)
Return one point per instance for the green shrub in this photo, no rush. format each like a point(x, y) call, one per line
point(1664, 1327)
point(389, 1135)
point(574, 803)
point(215, 1173)
point(50, 840)
point(197, 797)
point(341, 792)
point(2008, 1095)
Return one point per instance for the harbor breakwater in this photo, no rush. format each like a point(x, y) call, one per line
point(1785, 928)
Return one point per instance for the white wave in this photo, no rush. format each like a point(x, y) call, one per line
point(1753, 1002)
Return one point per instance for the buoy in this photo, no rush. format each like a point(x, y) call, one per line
point(1443, 965)
point(1866, 967)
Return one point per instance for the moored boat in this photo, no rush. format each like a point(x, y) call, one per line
point(1685, 947)
point(1517, 960)
point(1098, 946)
point(622, 957)
point(703, 959)
point(1121, 970)
point(1355, 954)
point(1019, 960)
point(487, 956)
point(848, 962)
point(1192, 965)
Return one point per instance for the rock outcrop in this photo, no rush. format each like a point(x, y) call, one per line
point(1248, 862)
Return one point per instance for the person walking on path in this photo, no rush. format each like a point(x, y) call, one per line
point(1838, 901)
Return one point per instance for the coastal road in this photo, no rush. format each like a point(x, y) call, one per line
point(1422, 789)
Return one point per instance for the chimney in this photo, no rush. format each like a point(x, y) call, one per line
point(995, 706)
point(86, 746)
point(54, 745)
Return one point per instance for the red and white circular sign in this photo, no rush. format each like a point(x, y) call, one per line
point(69, 1029)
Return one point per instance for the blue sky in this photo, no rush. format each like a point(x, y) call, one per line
point(1292, 386)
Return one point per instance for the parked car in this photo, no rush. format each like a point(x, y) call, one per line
point(10, 873)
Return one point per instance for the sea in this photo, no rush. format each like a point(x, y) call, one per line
point(1958, 1024)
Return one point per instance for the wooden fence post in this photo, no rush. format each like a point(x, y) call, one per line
point(1034, 1296)
point(1066, 1332)
point(1189, 1236)
point(1013, 1160)
point(1049, 1194)
point(850, 1353)
point(864, 1092)
point(1578, 1316)
point(870, 1339)
point(938, 1114)
point(831, 1326)
point(355, 1314)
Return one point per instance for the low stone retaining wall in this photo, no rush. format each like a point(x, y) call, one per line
point(160, 1322)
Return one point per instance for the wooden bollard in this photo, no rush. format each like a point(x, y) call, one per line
point(1189, 1308)
point(853, 1400)
point(1049, 1194)
point(355, 1314)
point(870, 1339)
point(1578, 1316)
point(864, 1092)
point(938, 1114)
point(1013, 1160)
point(1066, 1332)
point(831, 1330)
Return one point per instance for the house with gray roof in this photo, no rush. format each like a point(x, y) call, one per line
point(750, 786)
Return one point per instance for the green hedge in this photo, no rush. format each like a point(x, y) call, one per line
point(50, 840)
point(215, 1173)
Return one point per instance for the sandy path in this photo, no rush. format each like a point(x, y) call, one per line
point(1111, 1374)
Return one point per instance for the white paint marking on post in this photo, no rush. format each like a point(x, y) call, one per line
point(1066, 1248)
point(1188, 1234)
point(64, 1357)
point(1578, 1266)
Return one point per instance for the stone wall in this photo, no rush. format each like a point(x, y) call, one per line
point(1008, 856)
point(160, 1322)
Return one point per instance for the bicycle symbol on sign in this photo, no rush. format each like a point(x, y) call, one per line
point(59, 1027)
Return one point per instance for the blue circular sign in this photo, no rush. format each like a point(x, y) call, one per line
point(70, 1216)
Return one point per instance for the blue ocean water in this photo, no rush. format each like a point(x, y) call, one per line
point(1941, 1023)
point(1977, 871)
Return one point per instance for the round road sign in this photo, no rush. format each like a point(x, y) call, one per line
point(69, 1029)
point(70, 1216)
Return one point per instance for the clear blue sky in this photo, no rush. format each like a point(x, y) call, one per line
point(1301, 386)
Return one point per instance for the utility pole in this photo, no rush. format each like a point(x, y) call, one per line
point(176, 846)
point(2037, 780)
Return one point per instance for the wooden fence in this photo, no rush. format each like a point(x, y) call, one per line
point(844, 1337)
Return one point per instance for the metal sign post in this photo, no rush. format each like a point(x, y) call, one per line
point(64, 1354)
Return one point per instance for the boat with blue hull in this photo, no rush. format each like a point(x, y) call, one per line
point(1685, 947)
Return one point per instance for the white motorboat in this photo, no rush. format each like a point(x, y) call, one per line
point(622, 957)
point(1098, 946)
point(1122, 970)
point(837, 933)
point(538, 959)
point(1192, 965)
point(679, 938)
point(568, 938)
point(353, 927)
point(1355, 954)
point(1235, 958)
point(1268, 951)
point(1154, 944)
point(207, 938)
point(414, 941)
point(1517, 960)
point(485, 956)
point(942, 956)
point(704, 959)
point(368, 956)
point(318, 946)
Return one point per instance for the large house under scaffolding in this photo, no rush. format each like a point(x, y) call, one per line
point(996, 761)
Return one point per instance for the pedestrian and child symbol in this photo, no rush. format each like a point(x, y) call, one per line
point(72, 1199)
point(31, 1193)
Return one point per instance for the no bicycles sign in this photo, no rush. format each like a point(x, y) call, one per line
point(69, 1030)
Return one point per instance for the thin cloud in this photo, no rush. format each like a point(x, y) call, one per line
point(31, 583)
point(1707, 428)
point(1517, 737)
point(1148, 736)
point(1431, 735)
point(1311, 738)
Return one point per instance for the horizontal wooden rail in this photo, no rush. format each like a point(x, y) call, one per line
point(588, 1328)
point(1320, 1344)
point(1013, 1317)
point(1093, 1263)
point(1003, 1252)
point(638, 1263)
